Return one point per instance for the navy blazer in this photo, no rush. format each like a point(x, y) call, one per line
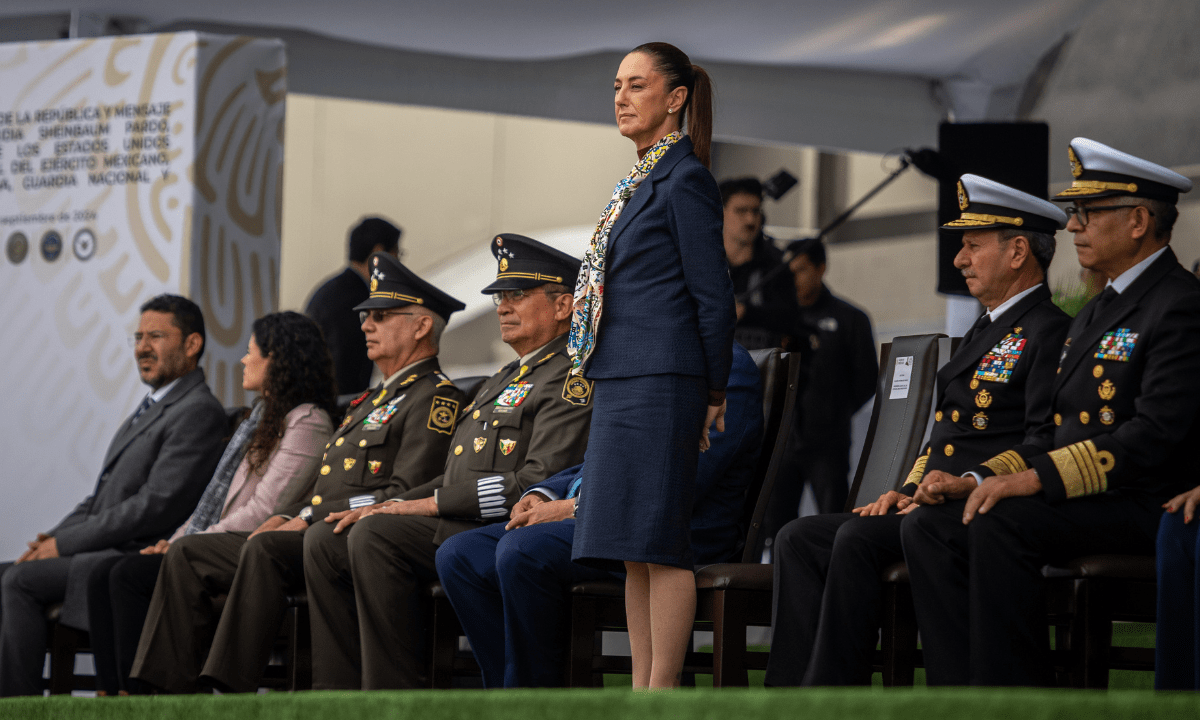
point(668, 300)
point(722, 473)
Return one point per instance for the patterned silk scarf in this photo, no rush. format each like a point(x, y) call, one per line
point(589, 288)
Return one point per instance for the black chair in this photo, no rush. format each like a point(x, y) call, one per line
point(730, 596)
point(1084, 598)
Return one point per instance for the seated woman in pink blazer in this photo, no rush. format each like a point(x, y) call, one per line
point(267, 463)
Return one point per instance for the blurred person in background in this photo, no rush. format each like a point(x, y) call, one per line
point(766, 301)
point(332, 305)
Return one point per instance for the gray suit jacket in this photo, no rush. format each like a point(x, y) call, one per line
point(151, 479)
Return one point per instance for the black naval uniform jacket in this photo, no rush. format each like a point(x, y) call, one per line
point(391, 439)
point(994, 393)
point(1126, 394)
point(526, 423)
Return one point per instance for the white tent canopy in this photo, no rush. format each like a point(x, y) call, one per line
point(871, 75)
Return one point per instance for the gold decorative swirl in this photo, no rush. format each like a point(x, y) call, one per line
point(231, 335)
point(266, 79)
point(69, 331)
point(112, 76)
point(183, 53)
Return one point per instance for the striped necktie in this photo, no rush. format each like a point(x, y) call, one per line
point(146, 403)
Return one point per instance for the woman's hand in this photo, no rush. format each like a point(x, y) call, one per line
point(158, 548)
point(715, 414)
point(1187, 501)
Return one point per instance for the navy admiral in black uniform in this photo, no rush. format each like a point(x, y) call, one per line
point(393, 438)
point(1124, 403)
point(526, 423)
point(994, 393)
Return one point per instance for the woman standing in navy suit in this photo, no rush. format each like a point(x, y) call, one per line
point(653, 331)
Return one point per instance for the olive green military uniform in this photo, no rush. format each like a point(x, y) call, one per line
point(391, 440)
point(526, 423)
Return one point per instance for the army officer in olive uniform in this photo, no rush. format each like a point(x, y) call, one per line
point(392, 439)
point(1124, 403)
point(365, 569)
point(994, 393)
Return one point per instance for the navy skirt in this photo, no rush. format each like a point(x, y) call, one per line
point(639, 472)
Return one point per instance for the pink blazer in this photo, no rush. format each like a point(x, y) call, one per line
point(252, 498)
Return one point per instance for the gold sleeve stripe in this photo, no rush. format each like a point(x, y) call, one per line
point(918, 471)
point(1083, 469)
point(1007, 463)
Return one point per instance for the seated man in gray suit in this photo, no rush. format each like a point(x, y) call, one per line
point(154, 472)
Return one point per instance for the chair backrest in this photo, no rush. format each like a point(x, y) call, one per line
point(780, 372)
point(903, 399)
point(470, 385)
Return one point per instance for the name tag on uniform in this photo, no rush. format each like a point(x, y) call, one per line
point(1117, 345)
point(997, 365)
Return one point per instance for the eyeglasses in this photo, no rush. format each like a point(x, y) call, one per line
point(1081, 211)
point(518, 295)
point(153, 336)
point(378, 316)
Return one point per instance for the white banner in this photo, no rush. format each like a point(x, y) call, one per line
point(129, 167)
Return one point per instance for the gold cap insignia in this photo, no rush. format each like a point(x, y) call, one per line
point(442, 414)
point(503, 264)
point(1107, 390)
point(963, 202)
point(479, 443)
point(1076, 166)
point(374, 284)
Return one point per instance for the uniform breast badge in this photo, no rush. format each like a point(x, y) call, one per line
point(1117, 345)
point(577, 390)
point(983, 399)
point(348, 463)
point(997, 365)
point(1107, 390)
point(442, 414)
point(507, 446)
point(374, 466)
point(514, 394)
point(479, 444)
point(980, 421)
point(1107, 416)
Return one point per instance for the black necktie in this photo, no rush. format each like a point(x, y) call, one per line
point(983, 321)
point(1105, 298)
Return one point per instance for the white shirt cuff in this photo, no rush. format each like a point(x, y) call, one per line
point(977, 476)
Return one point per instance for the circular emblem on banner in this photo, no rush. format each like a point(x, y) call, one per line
point(84, 244)
point(52, 245)
point(17, 248)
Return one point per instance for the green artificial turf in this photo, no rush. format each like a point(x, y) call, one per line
point(698, 704)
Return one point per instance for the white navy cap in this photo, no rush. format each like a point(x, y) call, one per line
point(1101, 171)
point(988, 204)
